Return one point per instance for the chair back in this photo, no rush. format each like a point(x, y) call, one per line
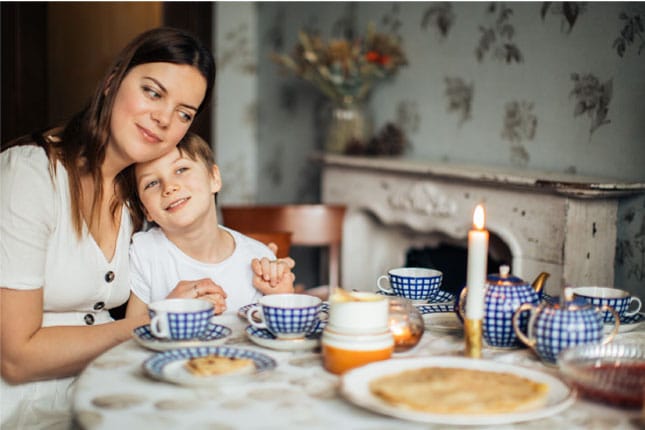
point(281, 238)
point(312, 225)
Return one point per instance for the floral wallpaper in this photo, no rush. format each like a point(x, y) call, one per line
point(553, 86)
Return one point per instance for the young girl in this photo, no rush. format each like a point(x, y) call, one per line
point(176, 193)
point(66, 232)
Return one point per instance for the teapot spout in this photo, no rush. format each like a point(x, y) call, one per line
point(539, 282)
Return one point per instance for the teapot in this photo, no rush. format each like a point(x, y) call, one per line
point(555, 327)
point(504, 294)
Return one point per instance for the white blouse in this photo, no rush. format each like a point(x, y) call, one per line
point(39, 249)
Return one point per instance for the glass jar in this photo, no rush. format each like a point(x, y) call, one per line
point(405, 323)
point(342, 352)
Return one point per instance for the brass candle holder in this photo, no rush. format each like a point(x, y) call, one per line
point(473, 335)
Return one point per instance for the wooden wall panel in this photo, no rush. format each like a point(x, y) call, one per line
point(83, 39)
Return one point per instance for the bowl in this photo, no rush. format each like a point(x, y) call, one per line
point(612, 374)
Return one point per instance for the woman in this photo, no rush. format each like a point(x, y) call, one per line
point(65, 230)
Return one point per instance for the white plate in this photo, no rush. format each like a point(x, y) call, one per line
point(266, 339)
point(169, 366)
point(355, 387)
point(215, 334)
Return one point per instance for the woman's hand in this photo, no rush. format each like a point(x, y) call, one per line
point(273, 276)
point(204, 289)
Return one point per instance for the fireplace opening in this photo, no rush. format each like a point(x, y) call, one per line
point(452, 260)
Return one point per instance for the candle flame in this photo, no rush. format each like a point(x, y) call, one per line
point(478, 217)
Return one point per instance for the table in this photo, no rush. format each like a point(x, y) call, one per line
point(114, 393)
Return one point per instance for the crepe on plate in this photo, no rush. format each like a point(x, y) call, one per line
point(210, 365)
point(448, 390)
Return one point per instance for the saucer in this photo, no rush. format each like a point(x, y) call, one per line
point(215, 334)
point(627, 324)
point(241, 312)
point(441, 297)
point(433, 308)
point(441, 318)
point(267, 339)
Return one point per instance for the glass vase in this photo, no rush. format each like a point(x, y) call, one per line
point(406, 324)
point(349, 125)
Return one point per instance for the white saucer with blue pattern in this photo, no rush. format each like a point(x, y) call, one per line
point(627, 324)
point(267, 339)
point(215, 334)
point(170, 366)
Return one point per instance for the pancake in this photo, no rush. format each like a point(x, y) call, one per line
point(210, 365)
point(447, 390)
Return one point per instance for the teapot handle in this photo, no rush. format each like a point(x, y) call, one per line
point(614, 332)
point(530, 342)
point(461, 312)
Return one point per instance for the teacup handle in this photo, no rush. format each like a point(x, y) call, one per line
point(638, 308)
point(252, 319)
point(378, 282)
point(323, 316)
point(525, 338)
point(614, 332)
point(159, 326)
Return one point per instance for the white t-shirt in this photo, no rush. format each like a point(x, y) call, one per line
point(157, 265)
point(39, 249)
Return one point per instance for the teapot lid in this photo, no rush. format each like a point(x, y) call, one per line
point(504, 277)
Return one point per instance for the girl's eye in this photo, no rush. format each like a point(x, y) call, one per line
point(181, 170)
point(151, 92)
point(150, 184)
point(185, 117)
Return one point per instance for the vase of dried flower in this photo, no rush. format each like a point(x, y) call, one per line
point(349, 125)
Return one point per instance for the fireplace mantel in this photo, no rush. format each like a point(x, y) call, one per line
point(558, 223)
point(534, 180)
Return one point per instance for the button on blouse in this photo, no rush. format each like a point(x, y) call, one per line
point(89, 319)
point(109, 276)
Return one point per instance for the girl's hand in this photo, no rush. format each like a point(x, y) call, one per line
point(204, 289)
point(273, 276)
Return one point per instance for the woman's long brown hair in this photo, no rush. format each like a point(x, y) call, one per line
point(80, 145)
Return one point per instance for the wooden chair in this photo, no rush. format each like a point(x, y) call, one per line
point(312, 225)
point(281, 238)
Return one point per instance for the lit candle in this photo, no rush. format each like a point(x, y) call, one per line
point(477, 259)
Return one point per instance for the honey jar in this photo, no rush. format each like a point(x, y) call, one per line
point(345, 351)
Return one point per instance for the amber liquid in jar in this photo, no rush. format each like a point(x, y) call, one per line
point(338, 361)
point(342, 352)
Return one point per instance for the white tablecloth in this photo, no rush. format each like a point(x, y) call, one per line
point(114, 393)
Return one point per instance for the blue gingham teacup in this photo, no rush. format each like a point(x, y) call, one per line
point(413, 283)
point(618, 299)
point(179, 319)
point(287, 316)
